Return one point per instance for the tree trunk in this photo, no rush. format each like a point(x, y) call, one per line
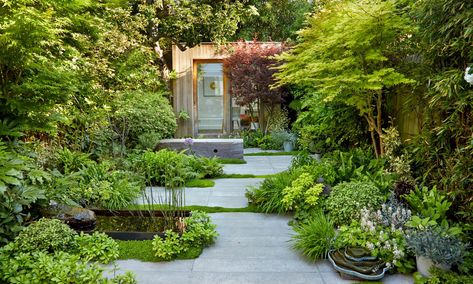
point(370, 119)
point(379, 122)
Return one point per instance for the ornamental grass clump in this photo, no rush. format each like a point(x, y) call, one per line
point(348, 199)
point(315, 237)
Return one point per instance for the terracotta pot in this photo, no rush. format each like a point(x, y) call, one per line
point(424, 264)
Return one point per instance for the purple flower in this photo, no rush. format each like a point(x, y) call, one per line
point(189, 141)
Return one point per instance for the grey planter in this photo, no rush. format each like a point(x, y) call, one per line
point(288, 146)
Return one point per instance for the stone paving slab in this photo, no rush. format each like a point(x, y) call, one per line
point(258, 150)
point(229, 193)
point(260, 165)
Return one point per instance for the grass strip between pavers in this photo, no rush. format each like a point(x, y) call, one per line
point(242, 176)
point(292, 153)
point(231, 161)
point(143, 250)
point(200, 183)
point(208, 209)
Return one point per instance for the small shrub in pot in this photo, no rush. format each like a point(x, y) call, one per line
point(434, 248)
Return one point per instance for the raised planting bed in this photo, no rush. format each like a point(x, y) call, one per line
point(131, 224)
point(222, 148)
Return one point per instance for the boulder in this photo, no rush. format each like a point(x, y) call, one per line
point(78, 218)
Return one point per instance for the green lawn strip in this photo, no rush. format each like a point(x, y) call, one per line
point(293, 153)
point(143, 250)
point(200, 183)
point(231, 161)
point(243, 176)
point(208, 209)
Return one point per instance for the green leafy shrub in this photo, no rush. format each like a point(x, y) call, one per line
point(169, 246)
point(148, 140)
point(251, 138)
point(140, 113)
point(323, 169)
point(153, 165)
point(48, 251)
point(347, 199)
point(67, 161)
point(199, 232)
point(267, 142)
point(303, 158)
point(303, 195)
point(17, 193)
point(383, 180)
point(96, 247)
point(315, 237)
point(268, 196)
point(439, 276)
point(206, 167)
point(325, 127)
point(60, 267)
point(101, 186)
point(49, 235)
point(429, 203)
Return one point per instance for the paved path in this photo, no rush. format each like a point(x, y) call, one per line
point(260, 165)
point(228, 193)
point(251, 247)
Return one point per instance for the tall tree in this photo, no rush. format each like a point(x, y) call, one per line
point(346, 55)
point(249, 68)
point(275, 20)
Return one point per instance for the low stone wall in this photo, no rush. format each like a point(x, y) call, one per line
point(223, 148)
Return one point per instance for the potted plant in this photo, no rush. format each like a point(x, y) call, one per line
point(434, 248)
point(283, 139)
point(289, 140)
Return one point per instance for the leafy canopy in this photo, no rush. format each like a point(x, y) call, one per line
point(346, 55)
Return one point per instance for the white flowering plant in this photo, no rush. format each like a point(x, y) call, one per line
point(469, 75)
point(383, 233)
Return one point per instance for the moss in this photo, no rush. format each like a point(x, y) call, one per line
point(292, 153)
point(208, 209)
point(200, 183)
point(243, 176)
point(231, 161)
point(129, 223)
point(143, 250)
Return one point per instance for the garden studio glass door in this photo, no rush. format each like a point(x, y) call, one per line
point(209, 84)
